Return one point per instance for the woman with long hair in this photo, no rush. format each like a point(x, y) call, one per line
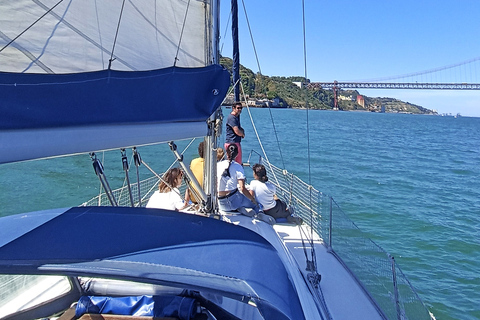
point(168, 196)
point(232, 192)
point(264, 193)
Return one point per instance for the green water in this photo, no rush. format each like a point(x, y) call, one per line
point(409, 181)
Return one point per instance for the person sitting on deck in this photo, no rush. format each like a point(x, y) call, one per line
point(220, 154)
point(168, 196)
point(264, 193)
point(232, 193)
point(196, 165)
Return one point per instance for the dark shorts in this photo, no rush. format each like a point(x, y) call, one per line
point(279, 211)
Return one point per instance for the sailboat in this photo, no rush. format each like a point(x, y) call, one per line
point(85, 76)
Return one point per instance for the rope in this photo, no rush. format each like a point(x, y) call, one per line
point(127, 178)
point(116, 35)
point(225, 32)
point(314, 277)
point(35, 22)
point(260, 73)
point(308, 133)
point(248, 108)
point(101, 185)
point(269, 109)
point(138, 161)
point(181, 34)
point(99, 171)
point(251, 37)
point(161, 179)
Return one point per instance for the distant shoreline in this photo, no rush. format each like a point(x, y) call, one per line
point(355, 110)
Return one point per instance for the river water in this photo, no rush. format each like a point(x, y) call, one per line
point(410, 181)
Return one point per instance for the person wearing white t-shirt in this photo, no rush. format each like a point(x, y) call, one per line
point(168, 196)
point(264, 193)
point(232, 193)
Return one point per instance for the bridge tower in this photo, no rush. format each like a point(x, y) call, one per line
point(335, 95)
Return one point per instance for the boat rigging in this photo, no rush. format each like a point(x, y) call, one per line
point(79, 78)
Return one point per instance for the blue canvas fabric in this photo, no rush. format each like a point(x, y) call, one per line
point(33, 101)
point(235, 201)
point(149, 306)
point(153, 245)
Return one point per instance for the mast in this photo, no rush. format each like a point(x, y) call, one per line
point(236, 51)
point(216, 31)
point(214, 125)
point(215, 121)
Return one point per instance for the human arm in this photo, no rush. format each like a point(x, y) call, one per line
point(187, 197)
point(242, 188)
point(239, 131)
point(177, 200)
point(234, 123)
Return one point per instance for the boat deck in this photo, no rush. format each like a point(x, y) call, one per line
point(343, 296)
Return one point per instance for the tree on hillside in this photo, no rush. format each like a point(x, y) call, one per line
point(258, 86)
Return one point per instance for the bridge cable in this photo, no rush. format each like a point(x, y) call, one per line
point(424, 72)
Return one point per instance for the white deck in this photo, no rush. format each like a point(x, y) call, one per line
point(344, 298)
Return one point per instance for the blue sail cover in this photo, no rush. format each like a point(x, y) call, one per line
point(142, 306)
point(151, 245)
point(47, 115)
point(79, 76)
point(39, 101)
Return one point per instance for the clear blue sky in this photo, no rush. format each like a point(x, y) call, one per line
point(364, 40)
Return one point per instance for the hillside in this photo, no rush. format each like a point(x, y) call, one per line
point(285, 92)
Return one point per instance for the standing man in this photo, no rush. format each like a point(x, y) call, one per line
point(234, 131)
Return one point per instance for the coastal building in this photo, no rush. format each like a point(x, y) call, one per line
point(361, 101)
point(346, 98)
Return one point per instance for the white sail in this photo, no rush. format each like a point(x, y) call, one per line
point(51, 36)
point(77, 69)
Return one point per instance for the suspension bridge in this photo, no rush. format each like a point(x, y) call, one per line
point(459, 76)
point(395, 85)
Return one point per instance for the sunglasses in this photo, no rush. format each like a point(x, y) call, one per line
point(239, 108)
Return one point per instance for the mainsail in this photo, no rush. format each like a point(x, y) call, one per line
point(79, 76)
